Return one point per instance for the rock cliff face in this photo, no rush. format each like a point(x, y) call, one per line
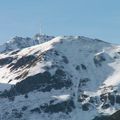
point(65, 78)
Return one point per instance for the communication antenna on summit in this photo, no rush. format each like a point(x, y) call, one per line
point(40, 29)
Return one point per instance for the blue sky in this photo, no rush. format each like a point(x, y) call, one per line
point(91, 18)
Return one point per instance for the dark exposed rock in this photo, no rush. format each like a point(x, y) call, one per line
point(98, 59)
point(26, 96)
point(101, 118)
point(24, 74)
point(60, 73)
point(105, 106)
point(9, 80)
point(111, 98)
point(10, 65)
point(65, 106)
point(24, 108)
point(65, 60)
point(82, 97)
point(56, 52)
point(83, 67)
point(85, 96)
point(85, 107)
point(92, 100)
point(115, 116)
point(16, 113)
point(52, 101)
point(9, 93)
point(36, 110)
point(22, 62)
point(33, 82)
point(77, 67)
point(118, 99)
point(118, 52)
point(103, 97)
point(43, 82)
point(83, 82)
point(15, 52)
point(11, 98)
point(5, 61)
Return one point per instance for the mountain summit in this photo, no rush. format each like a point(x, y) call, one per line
point(18, 43)
point(64, 78)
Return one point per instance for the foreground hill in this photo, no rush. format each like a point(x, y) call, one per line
point(66, 78)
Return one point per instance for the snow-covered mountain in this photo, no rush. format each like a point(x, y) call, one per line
point(65, 78)
point(18, 43)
